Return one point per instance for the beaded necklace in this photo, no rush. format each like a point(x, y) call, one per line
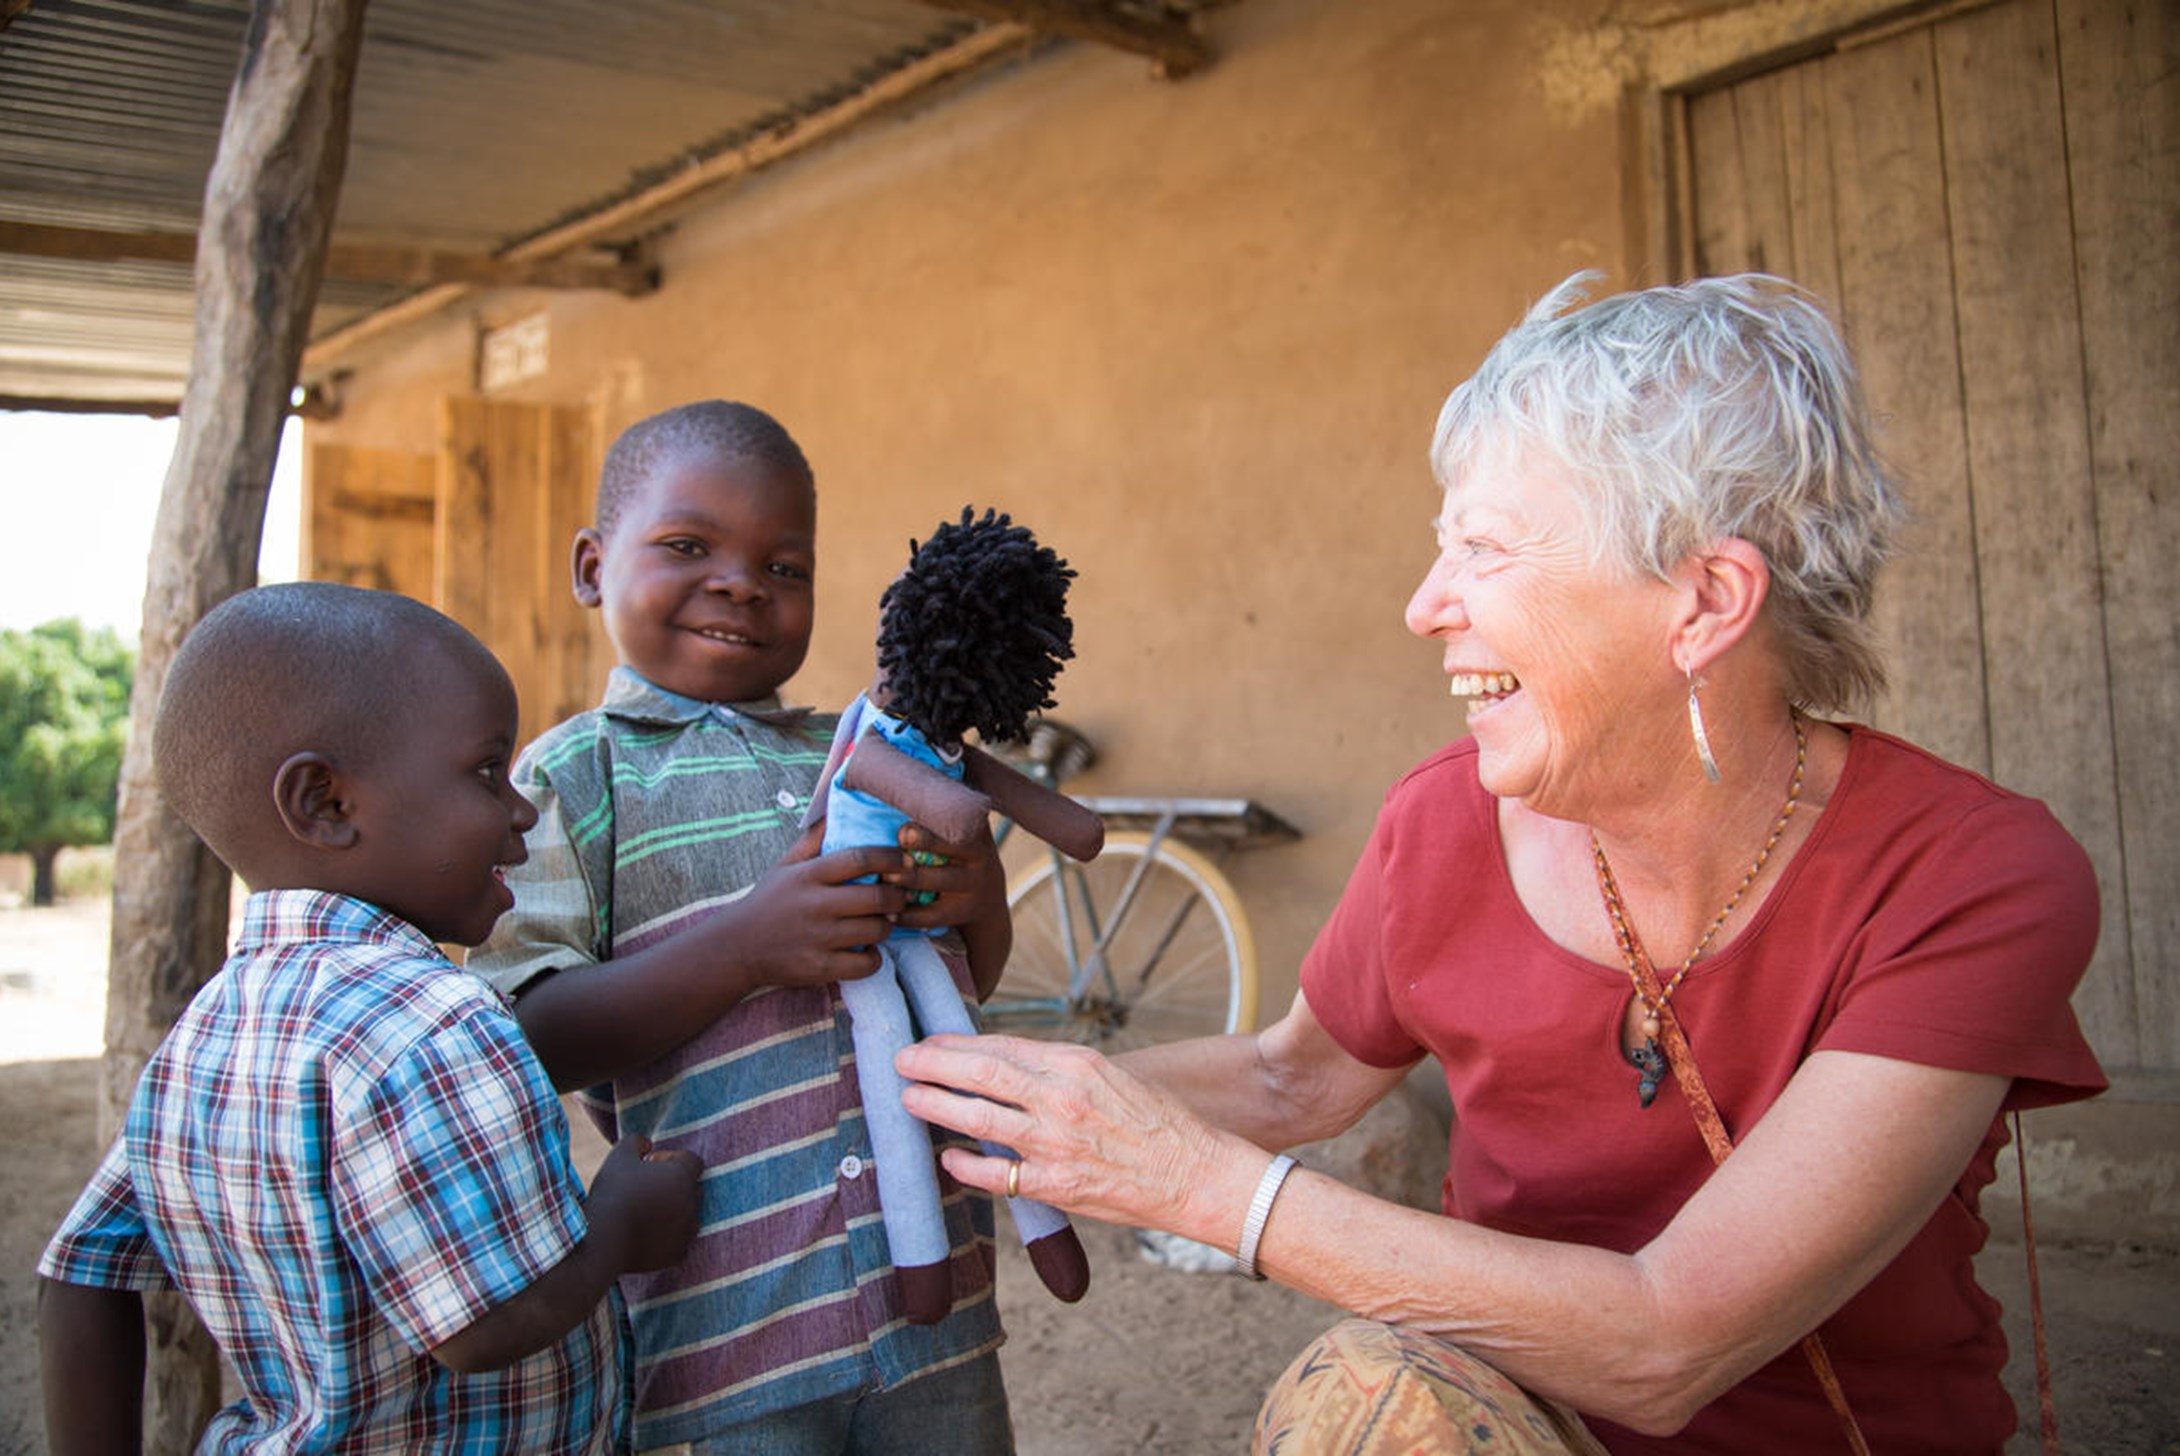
point(1647, 1059)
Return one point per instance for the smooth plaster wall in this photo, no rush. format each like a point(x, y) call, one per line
point(1195, 334)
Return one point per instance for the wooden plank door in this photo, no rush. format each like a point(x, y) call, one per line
point(2117, 64)
point(367, 518)
point(515, 482)
point(1989, 204)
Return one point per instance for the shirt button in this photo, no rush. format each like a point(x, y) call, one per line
point(851, 1167)
point(785, 798)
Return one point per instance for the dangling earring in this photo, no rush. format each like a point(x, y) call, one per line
point(1695, 726)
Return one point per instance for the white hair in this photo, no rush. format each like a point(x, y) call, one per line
point(1724, 407)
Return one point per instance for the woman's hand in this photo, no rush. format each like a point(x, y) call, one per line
point(1092, 1139)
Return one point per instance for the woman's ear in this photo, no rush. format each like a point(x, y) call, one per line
point(584, 561)
point(1723, 590)
point(307, 794)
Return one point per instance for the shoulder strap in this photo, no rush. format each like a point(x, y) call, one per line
point(1682, 1059)
point(2047, 1409)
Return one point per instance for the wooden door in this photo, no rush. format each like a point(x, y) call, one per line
point(515, 482)
point(367, 518)
point(482, 530)
point(1991, 203)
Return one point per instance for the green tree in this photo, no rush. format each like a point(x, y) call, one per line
point(64, 720)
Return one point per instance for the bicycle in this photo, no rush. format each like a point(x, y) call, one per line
point(1146, 943)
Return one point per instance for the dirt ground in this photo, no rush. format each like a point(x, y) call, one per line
point(1152, 1361)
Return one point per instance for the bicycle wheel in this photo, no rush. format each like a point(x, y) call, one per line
point(1177, 959)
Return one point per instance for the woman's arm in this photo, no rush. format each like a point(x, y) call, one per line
point(1290, 1083)
point(1822, 1193)
point(1169, 1137)
point(1818, 1198)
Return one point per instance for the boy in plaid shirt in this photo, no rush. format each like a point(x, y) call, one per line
point(344, 1153)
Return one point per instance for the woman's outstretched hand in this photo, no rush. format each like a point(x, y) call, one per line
point(1092, 1138)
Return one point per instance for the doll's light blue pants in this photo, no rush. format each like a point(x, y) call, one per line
point(913, 974)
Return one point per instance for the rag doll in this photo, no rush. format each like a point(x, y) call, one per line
point(970, 636)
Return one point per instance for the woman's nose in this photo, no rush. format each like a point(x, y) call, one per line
point(1436, 604)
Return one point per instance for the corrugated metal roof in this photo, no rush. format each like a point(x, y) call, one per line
point(557, 104)
point(476, 124)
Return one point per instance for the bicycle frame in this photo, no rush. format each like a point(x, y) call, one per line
point(1152, 941)
point(1084, 970)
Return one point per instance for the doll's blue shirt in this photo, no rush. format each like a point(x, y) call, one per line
point(853, 818)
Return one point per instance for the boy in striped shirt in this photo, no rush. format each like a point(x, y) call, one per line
point(675, 950)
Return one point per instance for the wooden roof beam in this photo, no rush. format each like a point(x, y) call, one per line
point(1172, 47)
point(57, 404)
point(360, 263)
point(321, 401)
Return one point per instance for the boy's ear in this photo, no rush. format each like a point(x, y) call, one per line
point(307, 793)
point(584, 561)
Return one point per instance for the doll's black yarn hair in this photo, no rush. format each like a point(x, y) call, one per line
point(973, 633)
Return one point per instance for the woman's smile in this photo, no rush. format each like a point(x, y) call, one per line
point(1484, 690)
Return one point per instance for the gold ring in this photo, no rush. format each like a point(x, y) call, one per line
point(1014, 1178)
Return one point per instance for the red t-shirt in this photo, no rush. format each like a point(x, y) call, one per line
point(1931, 916)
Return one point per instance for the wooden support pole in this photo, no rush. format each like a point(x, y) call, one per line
point(268, 211)
point(355, 262)
point(1173, 48)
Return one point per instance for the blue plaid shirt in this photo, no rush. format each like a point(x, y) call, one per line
point(345, 1153)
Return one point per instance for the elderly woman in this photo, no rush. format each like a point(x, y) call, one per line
point(1651, 909)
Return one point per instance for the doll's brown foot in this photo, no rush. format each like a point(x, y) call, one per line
point(1060, 1262)
point(926, 1290)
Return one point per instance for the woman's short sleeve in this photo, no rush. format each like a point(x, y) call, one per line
point(1344, 974)
point(1971, 962)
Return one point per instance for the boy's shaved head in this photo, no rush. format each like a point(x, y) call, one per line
point(280, 670)
point(712, 430)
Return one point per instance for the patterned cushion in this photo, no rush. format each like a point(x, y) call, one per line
point(1368, 1389)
